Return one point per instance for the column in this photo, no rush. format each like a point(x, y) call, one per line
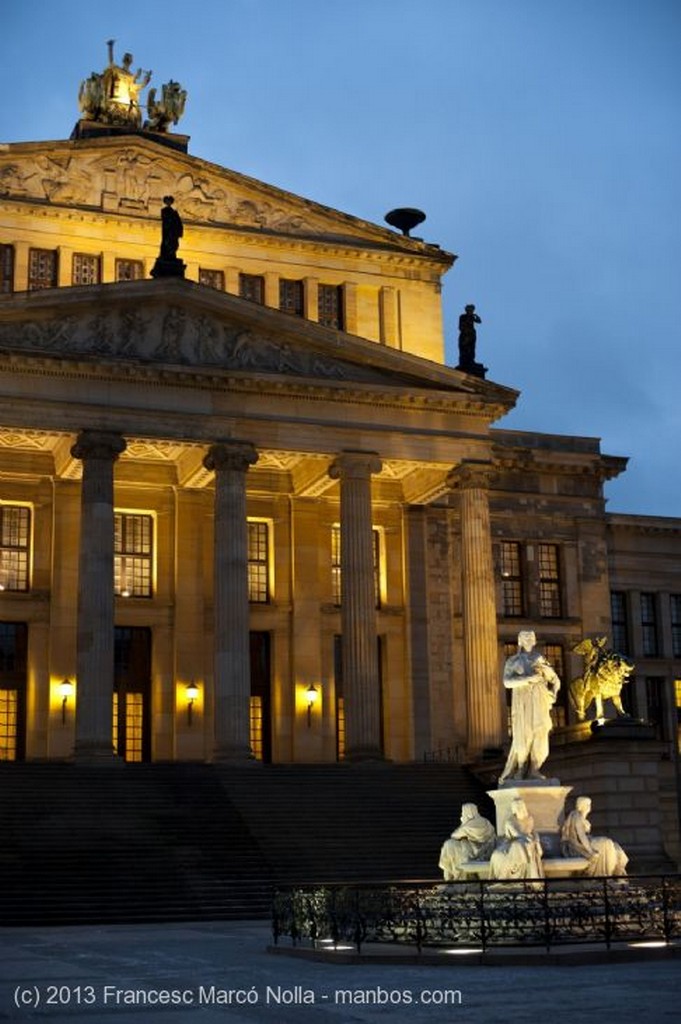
point(358, 606)
point(232, 670)
point(95, 632)
point(483, 684)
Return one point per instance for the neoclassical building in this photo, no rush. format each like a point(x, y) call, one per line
point(250, 511)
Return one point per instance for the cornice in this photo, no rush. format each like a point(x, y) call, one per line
point(643, 524)
point(210, 379)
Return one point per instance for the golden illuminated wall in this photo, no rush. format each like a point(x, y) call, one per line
point(102, 198)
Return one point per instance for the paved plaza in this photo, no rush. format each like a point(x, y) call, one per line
point(210, 972)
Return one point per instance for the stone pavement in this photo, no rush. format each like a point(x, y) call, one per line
point(221, 972)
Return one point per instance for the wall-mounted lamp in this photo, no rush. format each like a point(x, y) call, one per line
point(312, 694)
point(65, 690)
point(192, 694)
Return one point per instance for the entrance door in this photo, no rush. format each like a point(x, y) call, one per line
point(132, 693)
point(13, 645)
point(261, 714)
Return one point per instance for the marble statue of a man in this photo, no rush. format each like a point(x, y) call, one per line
point(474, 839)
point(605, 856)
point(534, 686)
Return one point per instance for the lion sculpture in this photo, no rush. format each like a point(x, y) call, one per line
point(605, 673)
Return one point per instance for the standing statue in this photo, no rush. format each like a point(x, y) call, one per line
point(172, 229)
point(167, 264)
point(534, 687)
point(605, 856)
point(467, 337)
point(604, 675)
point(474, 839)
point(519, 854)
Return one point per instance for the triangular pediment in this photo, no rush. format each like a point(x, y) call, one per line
point(131, 174)
point(176, 327)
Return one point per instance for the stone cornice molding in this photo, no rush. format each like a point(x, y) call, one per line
point(98, 444)
point(472, 474)
point(236, 456)
point(355, 465)
point(643, 524)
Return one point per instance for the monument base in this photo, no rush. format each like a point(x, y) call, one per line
point(168, 268)
point(544, 799)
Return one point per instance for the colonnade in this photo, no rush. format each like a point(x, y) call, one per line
point(230, 462)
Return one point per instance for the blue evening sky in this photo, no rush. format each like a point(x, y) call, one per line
point(541, 137)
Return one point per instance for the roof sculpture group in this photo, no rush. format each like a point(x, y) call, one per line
point(112, 97)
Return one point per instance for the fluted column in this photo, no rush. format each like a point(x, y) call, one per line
point(358, 606)
point(95, 637)
point(483, 685)
point(232, 670)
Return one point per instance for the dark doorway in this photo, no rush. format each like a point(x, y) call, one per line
point(132, 693)
point(261, 698)
point(13, 647)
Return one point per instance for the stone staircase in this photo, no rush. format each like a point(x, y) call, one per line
point(132, 843)
point(343, 822)
point(174, 842)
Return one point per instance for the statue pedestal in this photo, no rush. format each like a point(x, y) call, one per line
point(544, 799)
point(168, 268)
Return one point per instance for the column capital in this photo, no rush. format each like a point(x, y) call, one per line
point(238, 455)
point(472, 474)
point(355, 465)
point(98, 444)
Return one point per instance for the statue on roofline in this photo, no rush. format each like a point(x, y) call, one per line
point(113, 97)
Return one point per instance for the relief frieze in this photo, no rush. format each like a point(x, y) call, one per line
point(175, 337)
point(131, 180)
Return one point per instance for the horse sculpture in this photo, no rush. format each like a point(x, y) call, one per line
point(605, 673)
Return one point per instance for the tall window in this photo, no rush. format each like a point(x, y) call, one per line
point(15, 542)
point(252, 287)
point(258, 563)
point(676, 625)
point(336, 585)
point(330, 306)
point(42, 268)
point(291, 297)
point(655, 703)
point(511, 579)
point(6, 269)
point(549, 582)
point(13, 636)
point(256, 727)
point(649, 625)
point(133, 554)
point(85, 269)
point(212, 279)
point(129, 270)
point(620, 630)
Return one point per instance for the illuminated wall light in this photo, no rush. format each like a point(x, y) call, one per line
point(192, 693)
point(66, 689)
point(312, 695)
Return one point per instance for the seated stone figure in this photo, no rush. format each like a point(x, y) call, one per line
point(519, 854)
point(605, 856)
point(474, 839)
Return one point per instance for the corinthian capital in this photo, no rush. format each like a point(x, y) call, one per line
point(98, 444)
point(237, 455)
point(472, 474)
point(351, 465)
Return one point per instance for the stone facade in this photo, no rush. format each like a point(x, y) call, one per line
point(262, 457)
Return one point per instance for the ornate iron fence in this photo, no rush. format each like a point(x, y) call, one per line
point(545, 912)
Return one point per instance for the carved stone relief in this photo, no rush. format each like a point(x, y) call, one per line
point(129, 179)
point(174, 336)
